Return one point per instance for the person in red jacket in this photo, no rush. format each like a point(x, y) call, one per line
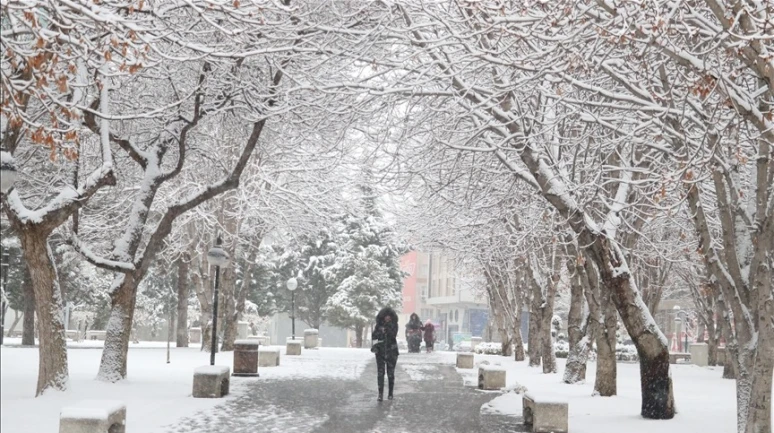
point(429, 335)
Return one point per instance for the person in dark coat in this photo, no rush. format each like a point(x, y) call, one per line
point(429, 335)
point(414, 333)
point(385, 347)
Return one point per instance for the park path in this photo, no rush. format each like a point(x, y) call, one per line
point(429, 397)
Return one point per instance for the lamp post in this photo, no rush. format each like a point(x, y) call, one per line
point(291, 285)
point(8, 176)
point(216, 257)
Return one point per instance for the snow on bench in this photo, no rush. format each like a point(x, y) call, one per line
point(211, 381)
point(491, 377)
point(546, 414)
point(93, 416)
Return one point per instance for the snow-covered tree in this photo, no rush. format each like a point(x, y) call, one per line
point(366, 268)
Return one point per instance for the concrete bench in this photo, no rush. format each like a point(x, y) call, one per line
point(93, 416)
point(699, 354)
point(675, 356)
point(211, 381)
point(72, 334)
point(293, 348)
point(95, 335)
point(465, 360)
point(246, 358)
point(545, 415)
point(311, 337)
point(268, 357)
point(491, 377)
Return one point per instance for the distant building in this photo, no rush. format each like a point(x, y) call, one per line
point(435, 289)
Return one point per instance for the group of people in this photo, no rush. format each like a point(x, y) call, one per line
point(385, 345)
point(415, 331)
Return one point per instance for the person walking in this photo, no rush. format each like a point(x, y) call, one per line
point(429, 335)
point(414, 333)
point(385, 347)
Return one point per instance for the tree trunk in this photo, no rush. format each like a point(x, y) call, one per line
point(518, 341)
point(206, 321)
point(112, 367)
point(549, 355)
point(52, 369)
point(652, 347)
point(182, 302)
point(575, 369)
point(16, 320)
point(759, 412)
point(505, 342)
point(28, 327)
point(230, 316)
point(533, 339)
point(606, 383)
point(359, 334)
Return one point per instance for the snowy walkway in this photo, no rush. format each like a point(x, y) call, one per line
point(429, 397)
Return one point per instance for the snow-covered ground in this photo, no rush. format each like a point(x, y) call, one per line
point(156, 393)
point(705, 402)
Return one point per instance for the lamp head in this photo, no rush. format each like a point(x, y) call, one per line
point(292, 284)
point(216, 256)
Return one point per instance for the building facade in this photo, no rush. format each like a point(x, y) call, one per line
point(436, 289)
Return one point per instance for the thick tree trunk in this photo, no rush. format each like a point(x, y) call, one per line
point(606, 383)
point(505, 342)
point(549, 355)
point(759, 411)
point(359, 335)
point(652, 347)
point(518, 341)
point(230, 316)
point(206, 321)
point(575, 369)
point(16, 319)
point(28, 327)
point(112, 367)
point(182, 302)
point(52, 368)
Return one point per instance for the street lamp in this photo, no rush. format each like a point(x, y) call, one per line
point(291, 285)
point(216, 257)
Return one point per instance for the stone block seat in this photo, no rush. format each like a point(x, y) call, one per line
point(268, 357)
point(491, 377)
point(699, 354)
point(93, 416)
point(545, 414)
point(211, 381)
point(293, 348)
point(465, 360)
point(675, 356)
point(246, 358)
point(311, 338)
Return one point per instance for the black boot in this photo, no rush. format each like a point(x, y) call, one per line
point(381, 394)
point(392, 386)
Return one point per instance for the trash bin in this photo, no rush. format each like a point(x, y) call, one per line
point(246, 358)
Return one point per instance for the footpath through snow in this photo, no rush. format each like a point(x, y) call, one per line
point(159, 395)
